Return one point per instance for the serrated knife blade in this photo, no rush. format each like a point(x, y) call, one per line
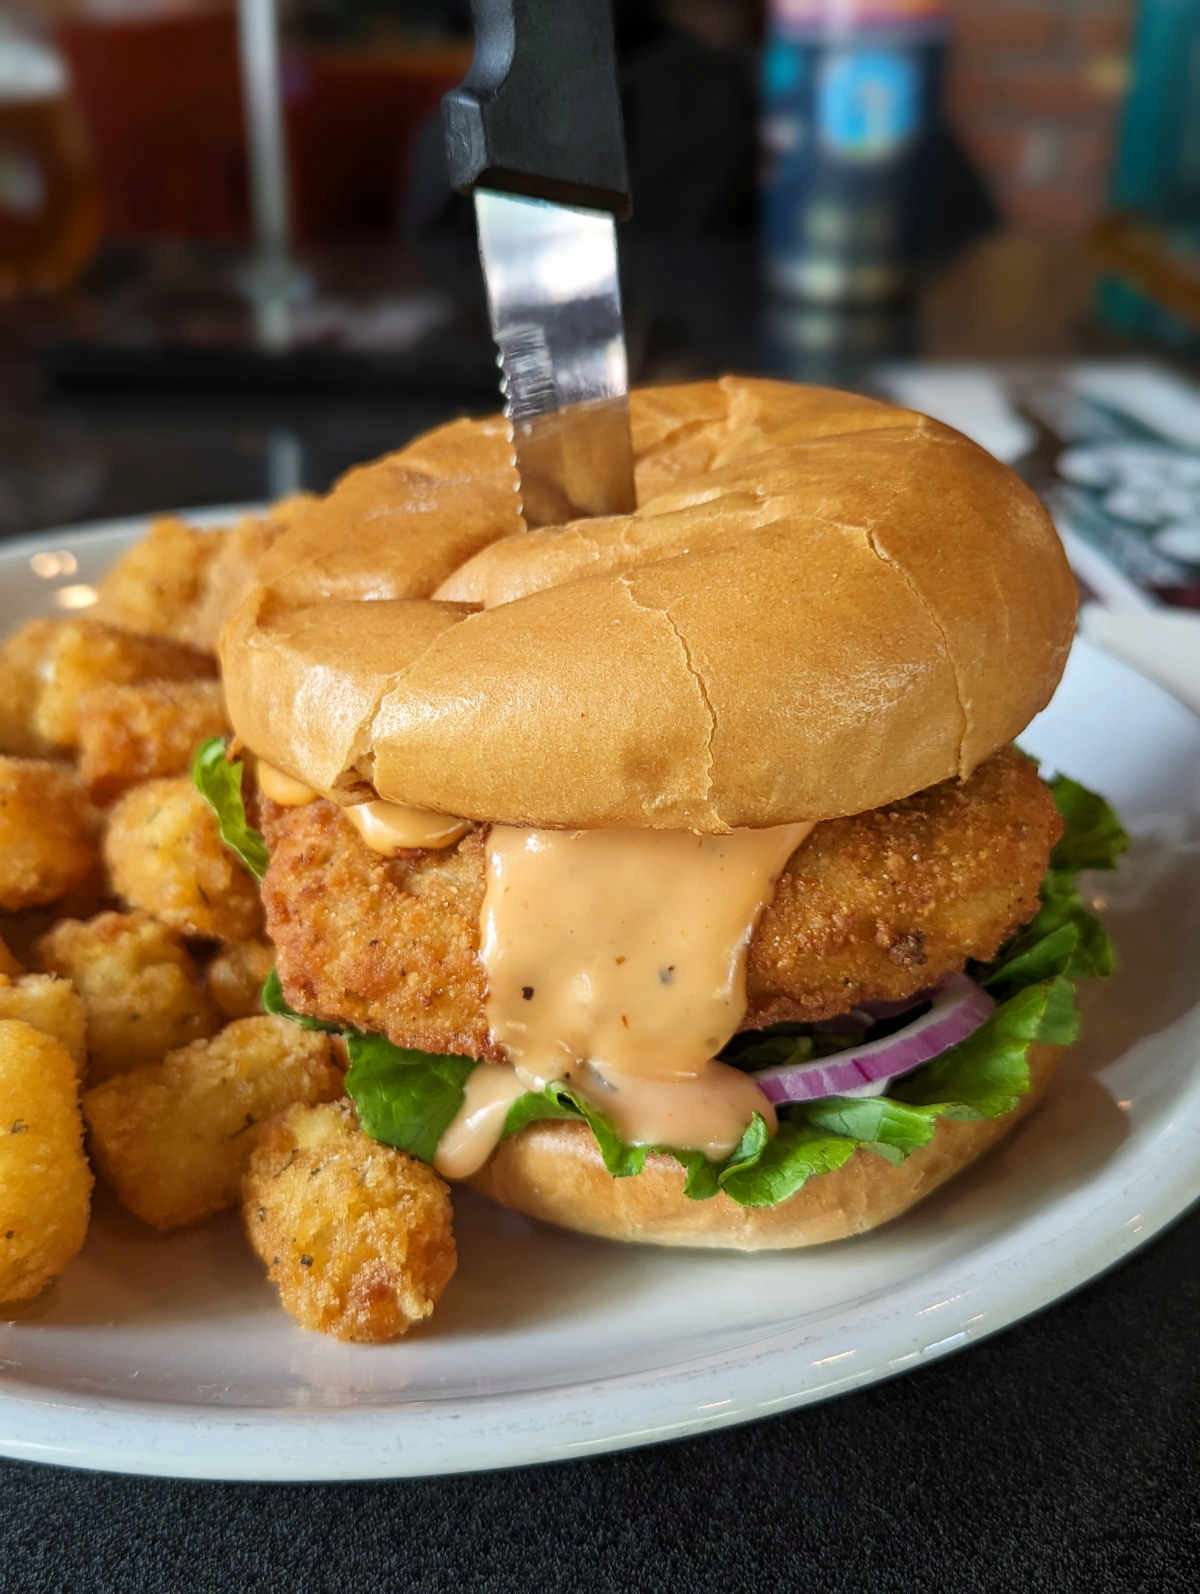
point(554, 298)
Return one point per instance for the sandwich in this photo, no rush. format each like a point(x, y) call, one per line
point(674, 877)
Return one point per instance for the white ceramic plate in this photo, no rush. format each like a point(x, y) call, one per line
point(169, 1355)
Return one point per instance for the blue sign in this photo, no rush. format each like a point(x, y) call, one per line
point(868, 103)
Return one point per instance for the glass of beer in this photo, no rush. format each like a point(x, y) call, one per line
point(49, 201)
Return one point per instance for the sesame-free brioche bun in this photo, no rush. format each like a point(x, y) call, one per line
point(822, 604)
point(553, 1171)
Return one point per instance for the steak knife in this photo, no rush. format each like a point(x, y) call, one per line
point(534, 131)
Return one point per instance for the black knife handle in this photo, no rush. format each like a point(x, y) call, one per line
point(538, 112)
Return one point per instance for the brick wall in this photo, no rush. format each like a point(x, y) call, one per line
point(1034, 91)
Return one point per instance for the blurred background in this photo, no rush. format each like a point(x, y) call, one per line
point(230, 263)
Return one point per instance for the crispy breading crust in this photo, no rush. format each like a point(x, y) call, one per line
point(45, 1181)
point(870, 908)
point(85, 654)
point(236, 975)
point(173, 1138)
point(140, 987)
point(359, 1238)
point(381, 944)
point(158, 582)
point(875, 907)
point(48, 833)
point(139, 732)
point(165, 855)
point(49, 1004)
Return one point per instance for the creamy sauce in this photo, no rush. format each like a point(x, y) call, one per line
point(475, 1129)
point(616, 959)
point(624, 948)
point(283, 789)
point(706, 1111)
point(385, 827)
point(391, 827)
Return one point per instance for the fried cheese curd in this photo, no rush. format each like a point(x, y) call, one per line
point(358, 1237)
point(174, 1138)
point(874, 907)
point(165, 856)
point(179, 581)
point(139, 986)
point(235, 977)
point(45, 1181)
point(83, 655)
point(21, 657)
point(156, 585)
point(143, 731)
point(48, 833)
point(51, 1005)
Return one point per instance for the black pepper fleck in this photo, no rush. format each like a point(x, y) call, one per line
point(306, 1260)
point(19, 1126)
point(527, 992)
point(667, 976)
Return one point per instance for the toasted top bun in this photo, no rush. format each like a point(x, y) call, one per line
point(553, 1171)
point(822, 604)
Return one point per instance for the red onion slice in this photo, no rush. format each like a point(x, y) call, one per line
point(959, 1007)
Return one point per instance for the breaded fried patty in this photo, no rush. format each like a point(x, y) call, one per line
point(383, 944)
point(870, 908)
point(877, 906)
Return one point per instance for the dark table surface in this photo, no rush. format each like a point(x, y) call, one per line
point(1061, 1455)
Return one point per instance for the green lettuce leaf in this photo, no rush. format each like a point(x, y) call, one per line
point(559, 1100)
point(796, 1154)
point(1064, 938)
point(404, 1098)
point(989, 1072)
point(1093, 838)
point(218, 779)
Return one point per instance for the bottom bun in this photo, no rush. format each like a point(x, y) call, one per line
point(553, 1171)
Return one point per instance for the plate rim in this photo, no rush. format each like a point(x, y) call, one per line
point(202, 515)
point(352, 1435)
point(108, 1433)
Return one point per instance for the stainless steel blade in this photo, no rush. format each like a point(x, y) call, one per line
point(555, 302)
